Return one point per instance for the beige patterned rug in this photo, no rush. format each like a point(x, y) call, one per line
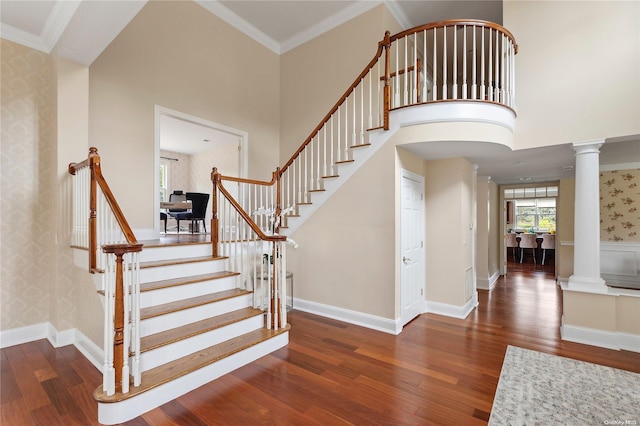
point(540, 389)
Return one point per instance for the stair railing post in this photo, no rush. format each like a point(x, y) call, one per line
point(215, 179)
point(94, 159)
point(278, 207)
point(387, 78)
point(120, 362)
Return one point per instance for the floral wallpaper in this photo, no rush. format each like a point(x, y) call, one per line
point(620, 205)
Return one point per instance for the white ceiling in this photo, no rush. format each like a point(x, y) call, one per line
point(81, 30)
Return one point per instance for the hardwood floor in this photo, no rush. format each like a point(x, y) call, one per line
point(438, 370)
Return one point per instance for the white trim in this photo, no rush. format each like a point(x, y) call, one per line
point(488, 283)
point(398, 13)
point(452, 310)
point(120, 412)
point(240, 24)
point(615, 167)
point(160, 111)
point(327, 24)
point(46, 330)
point(352, 317)
point(604, 339)
point(59, 18)
point(456, 112)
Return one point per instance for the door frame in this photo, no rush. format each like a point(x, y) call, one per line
point(159, 111)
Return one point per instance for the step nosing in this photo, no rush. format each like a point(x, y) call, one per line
point(191, 363)
point(193, 302)
point(175, 282)
point(185, 332)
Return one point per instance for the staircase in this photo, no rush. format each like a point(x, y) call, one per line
point(203, 310)
point(195, 325)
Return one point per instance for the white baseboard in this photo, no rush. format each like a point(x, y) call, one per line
point(487, 283)
point(46, 330)
point(452, 310)
point(352, 317)
point(601, 338)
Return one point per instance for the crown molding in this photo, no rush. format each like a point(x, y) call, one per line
point(398, 13)
point(58, 20)
point(240, 24)
point(329, 23)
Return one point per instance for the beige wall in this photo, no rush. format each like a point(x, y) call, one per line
point(449, 215)
point(315, 74)
point(565, 231)
point(179, 56)
point(577, 70)
point(495, 230)
point(44, 100)
point(620, 314)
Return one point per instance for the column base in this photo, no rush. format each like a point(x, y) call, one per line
point(586, 284)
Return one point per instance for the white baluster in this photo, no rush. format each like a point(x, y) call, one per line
point(474, 85)
point(425, 98)
point(454, 89)
point(490, 73)
point(482, 68)
point(464, 62)
point(406, 72)
point(497, 83)
point(435, 66)
point(445, 77)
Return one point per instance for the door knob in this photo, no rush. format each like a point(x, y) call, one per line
point(406, 260)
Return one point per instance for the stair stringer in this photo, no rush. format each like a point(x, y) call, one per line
point(377, 138)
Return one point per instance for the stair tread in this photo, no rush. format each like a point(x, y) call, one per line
point(317, 190)
point(180, 333)
point(166, 262)
point(345, 161)
point(154, 285)
point(154, 311)
point(330, 176)
point(190, 363)
point(361, 145)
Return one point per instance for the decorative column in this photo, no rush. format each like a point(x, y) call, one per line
point(586, 248)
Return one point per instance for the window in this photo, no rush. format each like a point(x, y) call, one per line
point(164, 181)
point(536, 213)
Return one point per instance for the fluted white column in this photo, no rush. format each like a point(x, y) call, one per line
point(586, 250)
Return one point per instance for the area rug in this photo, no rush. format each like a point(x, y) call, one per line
point(542, 389)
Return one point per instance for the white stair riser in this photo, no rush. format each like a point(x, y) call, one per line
point(185, 291)
point(168, 353)
point(181, 270)
point(175, 252)
point(120, 412)
point(178, 319)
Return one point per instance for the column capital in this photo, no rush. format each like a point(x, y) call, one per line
point(588, 146)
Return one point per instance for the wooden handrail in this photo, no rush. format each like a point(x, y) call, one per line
point(335, 107)
point(254, 226)
point(457, 22)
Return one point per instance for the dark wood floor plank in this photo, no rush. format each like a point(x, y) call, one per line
point(439, 370)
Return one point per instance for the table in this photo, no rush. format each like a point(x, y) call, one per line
point(175, 205)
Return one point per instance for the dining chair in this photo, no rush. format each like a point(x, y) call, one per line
point(199, 202)
point(163, 217)
point(548, 243)
point(528, 241)
point(512, 243)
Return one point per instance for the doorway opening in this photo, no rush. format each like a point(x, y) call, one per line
point(186, 149)
point(530, 228)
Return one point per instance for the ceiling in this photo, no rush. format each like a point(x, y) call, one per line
point(81, 30)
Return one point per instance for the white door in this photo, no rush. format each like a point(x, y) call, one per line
point(412, 259)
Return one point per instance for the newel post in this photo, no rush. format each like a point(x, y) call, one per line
point(119, 250)
point(215, 179)
point(387, 78)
